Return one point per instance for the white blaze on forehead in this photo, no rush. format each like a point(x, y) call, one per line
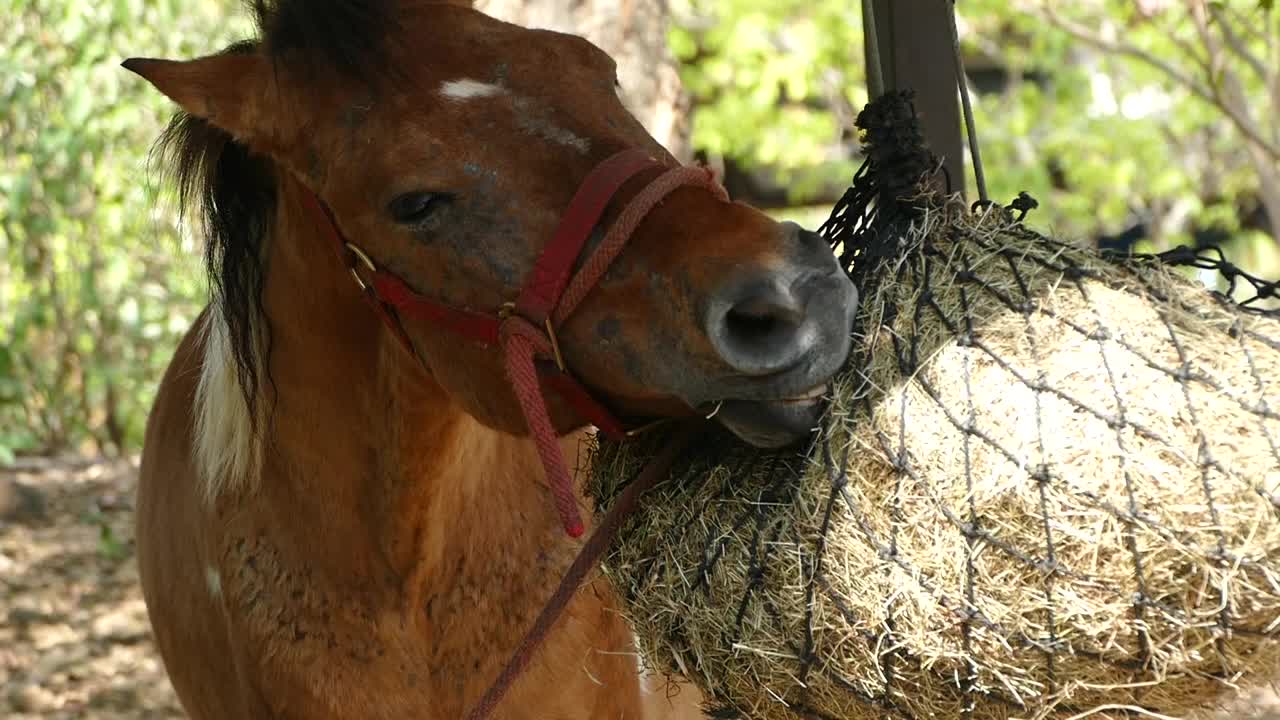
point(530, 118)
point(467, 89)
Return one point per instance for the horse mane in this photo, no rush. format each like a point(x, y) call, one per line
point(233, 193)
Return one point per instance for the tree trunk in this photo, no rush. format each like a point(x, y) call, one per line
point(634, 32)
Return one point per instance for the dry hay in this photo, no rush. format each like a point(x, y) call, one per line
point(1045, 487)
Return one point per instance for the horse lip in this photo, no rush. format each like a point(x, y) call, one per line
point(769, 423)
point(815, 393)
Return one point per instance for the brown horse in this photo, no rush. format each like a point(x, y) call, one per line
point(330, 526)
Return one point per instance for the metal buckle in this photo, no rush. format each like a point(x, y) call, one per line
point(363, 258)
point(507, 309)
point(555, 345)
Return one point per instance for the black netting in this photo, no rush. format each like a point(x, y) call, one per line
point(739, 570)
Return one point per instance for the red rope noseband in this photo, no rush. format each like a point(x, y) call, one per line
point(526, 328)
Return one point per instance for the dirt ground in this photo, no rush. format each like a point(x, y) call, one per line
point(74, 638)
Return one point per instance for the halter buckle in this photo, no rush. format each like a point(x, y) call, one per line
point(365, 260)
point(555, 345)
point(508, 309)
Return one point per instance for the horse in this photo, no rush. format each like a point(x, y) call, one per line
point(347, 507)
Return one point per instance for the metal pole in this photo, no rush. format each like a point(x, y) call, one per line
point(875, 68)
point(962, 82)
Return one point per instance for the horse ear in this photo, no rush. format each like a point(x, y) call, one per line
point(228, 90)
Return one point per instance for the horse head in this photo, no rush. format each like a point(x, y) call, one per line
point(447, 145)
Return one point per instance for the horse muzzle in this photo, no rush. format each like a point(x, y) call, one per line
point(784, 335)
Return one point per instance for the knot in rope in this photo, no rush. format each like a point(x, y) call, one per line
point(521, 342)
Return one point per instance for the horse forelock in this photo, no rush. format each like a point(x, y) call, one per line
point(346, 36)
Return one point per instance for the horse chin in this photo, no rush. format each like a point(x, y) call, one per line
point(771, 424)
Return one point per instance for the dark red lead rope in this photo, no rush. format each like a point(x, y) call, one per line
point(653, 472)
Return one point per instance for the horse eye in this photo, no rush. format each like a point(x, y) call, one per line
point(414, 207)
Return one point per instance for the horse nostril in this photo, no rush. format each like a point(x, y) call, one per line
point(749, 325)
point(760, 330)
point(759, 319)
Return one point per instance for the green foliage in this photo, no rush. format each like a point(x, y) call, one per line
point(1109, 137)
point(1088, 124)
point(96, 284)
point(767, 75)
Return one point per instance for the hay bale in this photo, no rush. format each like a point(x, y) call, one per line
point(1045, 486)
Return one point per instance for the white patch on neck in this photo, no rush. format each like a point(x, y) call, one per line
point(228, 451)
point(213, 579)
point(467, 89)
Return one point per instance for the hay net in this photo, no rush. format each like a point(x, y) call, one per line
point(1046, 484)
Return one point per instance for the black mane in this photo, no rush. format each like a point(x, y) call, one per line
point(232, 190)
point(343, 36)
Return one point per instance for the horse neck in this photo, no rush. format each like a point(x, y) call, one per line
point(365, 444)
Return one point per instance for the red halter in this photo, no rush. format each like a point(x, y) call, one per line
point(526, 328)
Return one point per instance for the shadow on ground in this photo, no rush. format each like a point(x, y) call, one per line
point(74, 638)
